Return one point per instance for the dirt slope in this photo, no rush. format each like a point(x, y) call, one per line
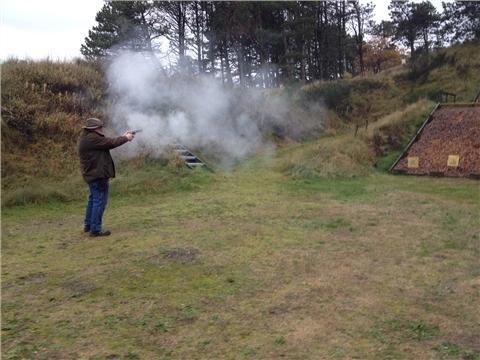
point(452, 132)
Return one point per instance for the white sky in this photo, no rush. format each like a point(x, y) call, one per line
point(55, 29)
point(37, 29)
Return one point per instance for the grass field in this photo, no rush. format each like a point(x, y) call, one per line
point(250, 264)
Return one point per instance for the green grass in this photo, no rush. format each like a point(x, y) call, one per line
point(248, 264)
point(308, 253)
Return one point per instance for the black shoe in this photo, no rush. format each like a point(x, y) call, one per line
point(99, 233)
point(86, 228)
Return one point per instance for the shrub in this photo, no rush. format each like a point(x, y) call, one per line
point(36, 90)
point(334, 158)
point(335, 94)
point(419, 94)
point(339, 95)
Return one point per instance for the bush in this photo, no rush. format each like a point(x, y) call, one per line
point(333, 158)
point(429, 94)
point(36, 90)
point(340, 95)
point(423, 65)
point(335, 94)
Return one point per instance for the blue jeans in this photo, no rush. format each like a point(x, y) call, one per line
point(97, 202)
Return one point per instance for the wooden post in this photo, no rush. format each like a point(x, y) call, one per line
point(356, 130)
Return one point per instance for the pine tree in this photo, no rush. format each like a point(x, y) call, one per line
point(415, 23)
point(461, 20)
point(129, 25)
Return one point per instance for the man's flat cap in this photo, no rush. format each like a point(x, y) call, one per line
point(93, 123)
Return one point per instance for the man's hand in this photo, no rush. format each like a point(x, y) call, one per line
point(129, 136)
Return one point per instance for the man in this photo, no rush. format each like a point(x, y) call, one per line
point(97, 168)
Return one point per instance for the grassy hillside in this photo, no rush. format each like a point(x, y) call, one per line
point(44, 105)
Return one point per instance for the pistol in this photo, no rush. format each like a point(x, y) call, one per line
point(134, 131)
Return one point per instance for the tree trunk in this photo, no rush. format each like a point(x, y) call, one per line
point(198, 35)
point(303, 62)
point(228, 69)
point(241, 62)
point(288, 43)
point(181, 20)
point(358, 15)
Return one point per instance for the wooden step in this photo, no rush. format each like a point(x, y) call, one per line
point(191, 160)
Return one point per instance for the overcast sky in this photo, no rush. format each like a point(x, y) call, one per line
point(37, 29)
point(55, 29)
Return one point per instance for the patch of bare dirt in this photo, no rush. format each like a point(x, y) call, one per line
point(35, 276)
point(182, 256)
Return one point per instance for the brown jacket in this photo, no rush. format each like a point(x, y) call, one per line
point(95, 159)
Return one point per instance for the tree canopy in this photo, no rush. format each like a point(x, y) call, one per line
point(269, 43)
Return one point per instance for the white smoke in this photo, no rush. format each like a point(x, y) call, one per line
point(197, 112)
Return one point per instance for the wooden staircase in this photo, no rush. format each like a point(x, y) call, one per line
point(191, 160)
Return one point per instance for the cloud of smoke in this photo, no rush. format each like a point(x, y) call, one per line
point(196, 112)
